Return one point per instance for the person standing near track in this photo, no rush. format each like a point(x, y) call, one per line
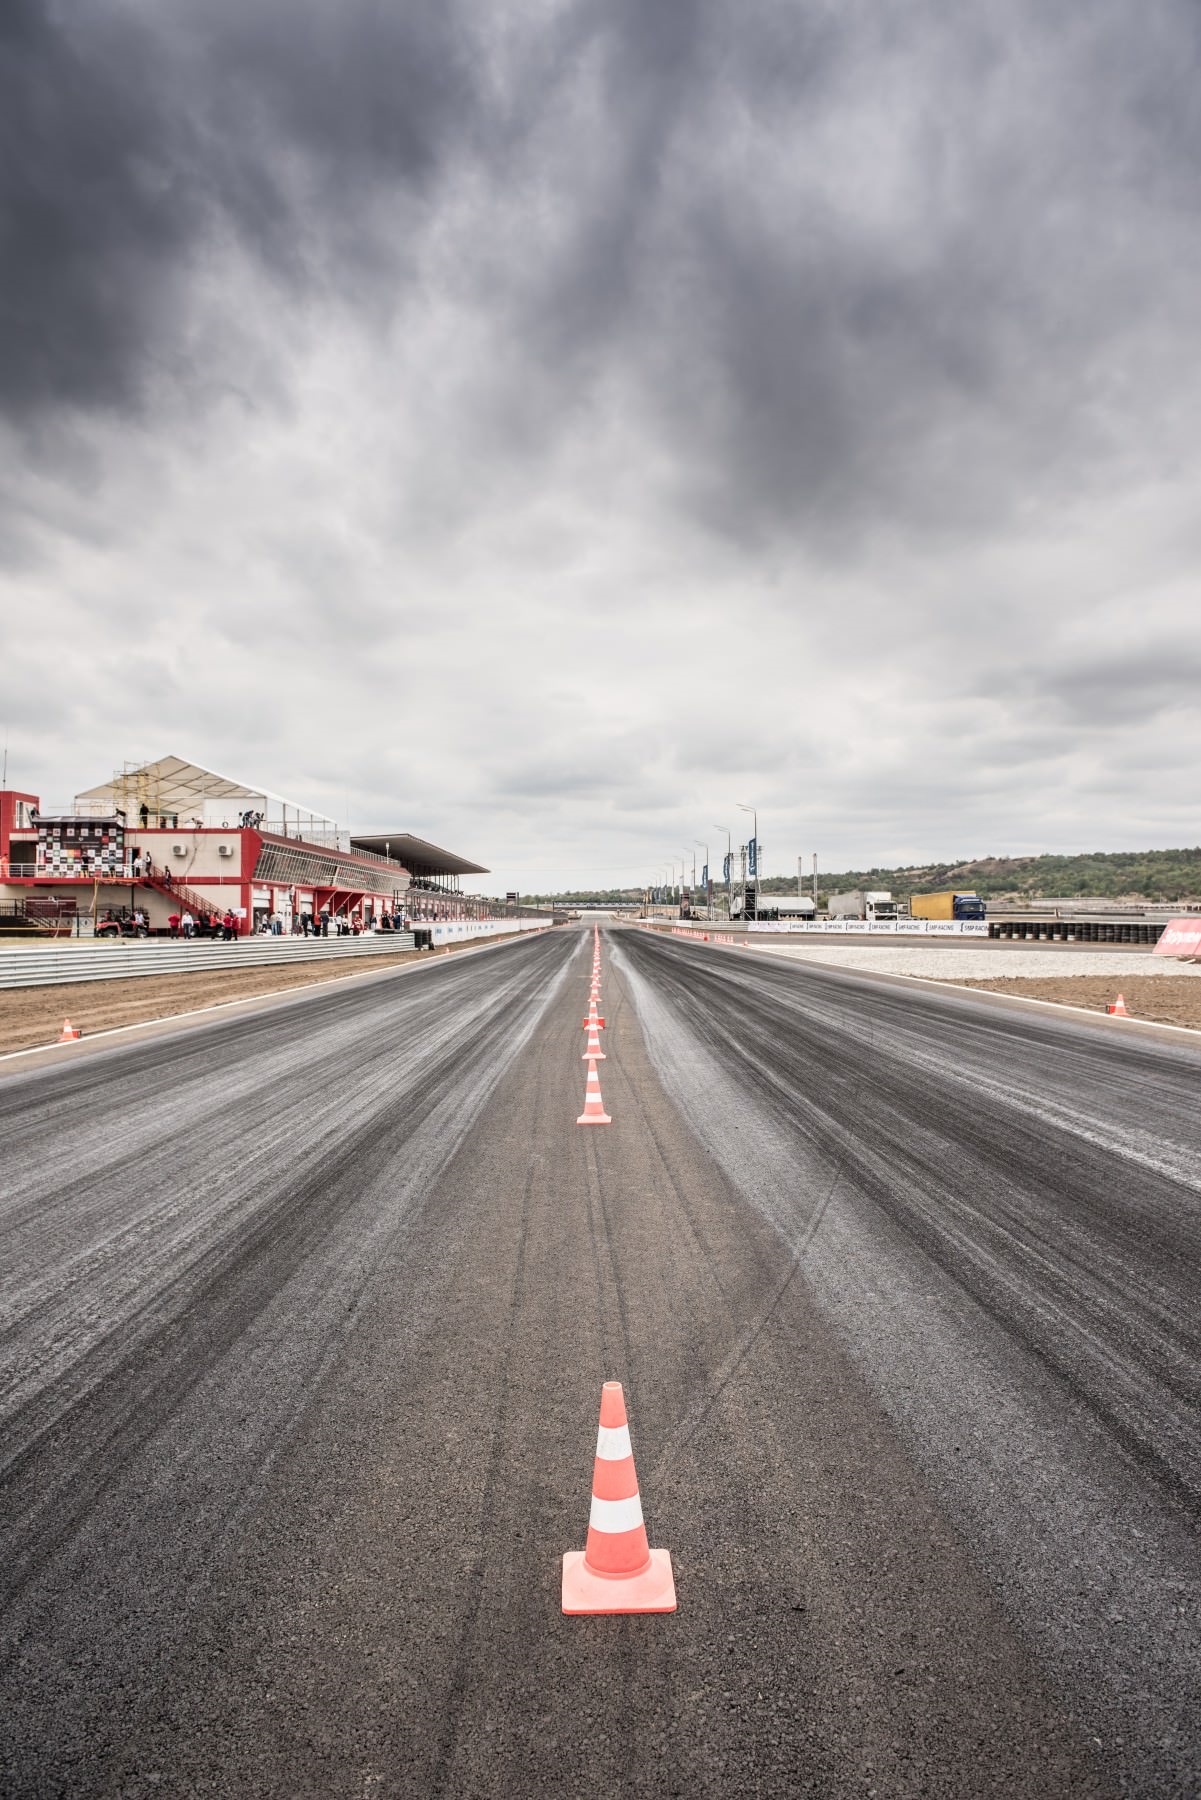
point(188, 924)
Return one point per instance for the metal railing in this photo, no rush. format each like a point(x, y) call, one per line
point(44, 967)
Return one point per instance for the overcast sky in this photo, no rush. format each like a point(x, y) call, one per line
point(543, 424)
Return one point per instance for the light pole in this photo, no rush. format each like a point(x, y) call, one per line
point(708, 877)
point(743, 806)
point(729, 862)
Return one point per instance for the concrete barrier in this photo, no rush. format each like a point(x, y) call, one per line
point(54, 965)
point(63, 963)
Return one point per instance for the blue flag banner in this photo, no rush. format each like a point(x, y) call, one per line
point(752, 857)
point(705, 877)
point(725, 869)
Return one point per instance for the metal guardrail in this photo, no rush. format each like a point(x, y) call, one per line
point(45, 967)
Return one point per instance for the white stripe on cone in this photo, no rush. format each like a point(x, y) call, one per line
point(616, 1515)
point(613, 1443)
point(594, 1110)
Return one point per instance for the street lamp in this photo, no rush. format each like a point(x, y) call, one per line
point(744, 807)
point(729, 861)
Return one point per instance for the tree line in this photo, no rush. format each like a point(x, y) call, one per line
point(1136, 875)
point(1166, 875)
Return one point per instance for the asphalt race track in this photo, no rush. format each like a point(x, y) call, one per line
point(304, 1313)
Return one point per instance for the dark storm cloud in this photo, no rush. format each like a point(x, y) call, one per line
point(864, 263)
point(133, 143)
point(854, 263)
point(96, 206)
point(1134, 685)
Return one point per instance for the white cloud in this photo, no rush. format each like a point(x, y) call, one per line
point(631, 415)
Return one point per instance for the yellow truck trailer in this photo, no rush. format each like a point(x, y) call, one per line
point(947, 906)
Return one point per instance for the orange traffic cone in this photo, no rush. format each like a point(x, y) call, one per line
point(618, 1572)
point(69, 1034)
point(594, 1107)
point(593, 1019)
point(1118, 1009)
point(593, 1053)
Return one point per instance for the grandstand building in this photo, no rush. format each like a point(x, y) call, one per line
point(169, 836)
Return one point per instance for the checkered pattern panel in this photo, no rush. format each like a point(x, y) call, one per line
point(80, 847)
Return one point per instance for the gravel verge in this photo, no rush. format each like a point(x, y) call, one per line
point(1155, 988)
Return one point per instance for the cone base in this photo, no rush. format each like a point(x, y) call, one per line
point(594, 1056)
point(653, 1591)
point(594, 1119)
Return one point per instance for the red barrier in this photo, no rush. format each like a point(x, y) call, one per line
point(1181, 937)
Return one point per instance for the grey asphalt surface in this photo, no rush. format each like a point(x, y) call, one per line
point(304, 1316)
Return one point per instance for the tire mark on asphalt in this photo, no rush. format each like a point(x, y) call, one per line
point(699, 1412)
point(59, 1467)
point(490, 1508)
point(1061, 1307)
point(1098, 1560)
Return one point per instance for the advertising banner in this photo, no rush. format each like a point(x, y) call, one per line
point(885, 928)
point(1181, 937)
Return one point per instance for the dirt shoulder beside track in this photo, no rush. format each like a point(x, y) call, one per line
point(33, 1016)
point(1165, 999)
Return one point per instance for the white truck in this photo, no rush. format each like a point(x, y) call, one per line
point(875, 906)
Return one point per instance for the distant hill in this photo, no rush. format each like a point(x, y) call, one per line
point(1104, 874)
point(1169, 875)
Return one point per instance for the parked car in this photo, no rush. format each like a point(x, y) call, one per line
point(113, 925)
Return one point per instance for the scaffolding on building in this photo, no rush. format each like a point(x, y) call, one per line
point(137, 796)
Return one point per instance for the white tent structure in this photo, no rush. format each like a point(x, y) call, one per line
point(173, 792)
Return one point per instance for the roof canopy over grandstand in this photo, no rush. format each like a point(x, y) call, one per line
point(426, 861)
point(174, 785)
point(174, 791)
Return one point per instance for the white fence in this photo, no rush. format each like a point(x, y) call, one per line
point(38, 967)
point(888, 928)
point(52, 966)
point(893, 928)
point(459, 931)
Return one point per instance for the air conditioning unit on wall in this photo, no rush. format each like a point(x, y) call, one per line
point(224, 850)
